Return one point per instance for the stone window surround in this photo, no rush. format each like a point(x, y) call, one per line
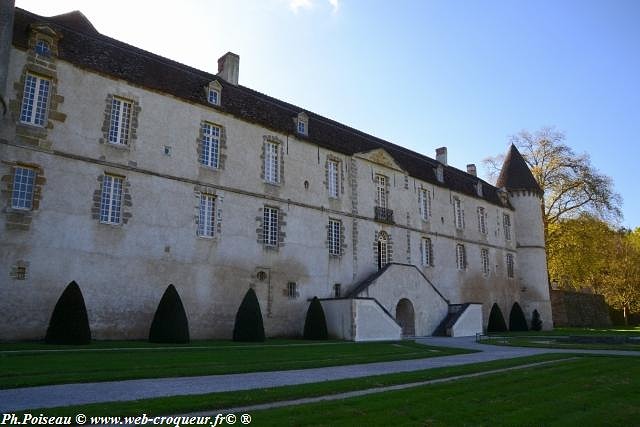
point(482, 220)
point(389, 241)
point(485, 262)
point(461, 257)
point(219, 198)
point(19, 270)
point(458, 213)
point(281, 228)
point(133, 124)
point(341, 243)
point(506, 224)
point(426, 252)
point(20, 219)
point(424, 203)
point(222, 145)
point(279, 142)
point(387, 185)
point(215, 86)
point(126, 205)
point(511, 266)
point(302, 119)
point(340, 177)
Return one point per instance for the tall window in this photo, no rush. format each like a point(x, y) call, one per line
point(337, 290)
point(332, 167)
point(210, 151)
point(207, 215)
point(214, 96)
point(22, 192)
point(424, 199)
point(270, 226)
point(383, 250)
point(381, 191)
point(506, 223)
point(292, 290)
point(302, 128)
point(461, 257)
point(271, 162)
point(458, 213)
point(482, 221)
point(510, 266)
point(484, 258)
point(111, 199)
point(427, 252)
point(334, 237)
point(35, 100)
point(120, 121)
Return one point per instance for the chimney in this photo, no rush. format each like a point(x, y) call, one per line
point(7, 8)
point(229, 67)
point(471, 169)
point(441, 155)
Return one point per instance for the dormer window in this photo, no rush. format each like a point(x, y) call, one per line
point(479, 189)
point(302, 124)
point(214, 92)
point(440, 173)
point(43, 48)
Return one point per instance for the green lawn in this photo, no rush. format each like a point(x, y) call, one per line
point(589, 391)
point(551, 342)
point(213, 401)
point(103, 362)
point(631, 331)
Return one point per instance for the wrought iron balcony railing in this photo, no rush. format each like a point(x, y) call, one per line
point(383, 215)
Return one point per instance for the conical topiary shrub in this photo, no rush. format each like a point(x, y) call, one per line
point(517, 322)
point(496, 320)
point(315, 325)
point(536, 323)
point(69, 322)
point(170, 324)
point(248, 326)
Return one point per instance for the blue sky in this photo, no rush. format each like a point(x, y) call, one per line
point(423, 74)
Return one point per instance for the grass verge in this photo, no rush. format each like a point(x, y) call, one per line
point(32, 367)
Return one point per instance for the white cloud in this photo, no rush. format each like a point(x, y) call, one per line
point(335, 4)
point(296, 5)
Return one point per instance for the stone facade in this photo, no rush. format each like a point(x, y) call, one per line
point(123, 270)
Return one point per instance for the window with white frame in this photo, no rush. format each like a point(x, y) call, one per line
point(383, 250)
point(270, 226)
point(214, 96)
point(484, 258)
point(120, 121)
point(506, 224)
point(381, 191)
point(210, 145)
point(35, 100)
point(482, 220)
point(427, 252)
point(424, 200)
point(334, 237)
point(271, 162)
point(302, 128)
point(43, 48)
point(207, 215)
point(302, 124)
point(292, 290)
point(458, 213)
point(23, 183)
point(461, 257)
point(111, 199)
point(333, 177)
point(510, 266)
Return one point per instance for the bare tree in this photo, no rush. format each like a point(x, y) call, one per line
point(570, 183)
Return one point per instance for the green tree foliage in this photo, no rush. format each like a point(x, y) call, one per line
point(315, 325)
point(496, 320)
point(69, 322)
point(248, 325)
point(517, 322)
point(170, 324)
point(536, 322)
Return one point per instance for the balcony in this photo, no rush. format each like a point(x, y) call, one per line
point(383, 215)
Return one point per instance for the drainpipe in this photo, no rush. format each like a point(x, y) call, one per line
point(6, 39)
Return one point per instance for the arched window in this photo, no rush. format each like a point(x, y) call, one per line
point(383, 249)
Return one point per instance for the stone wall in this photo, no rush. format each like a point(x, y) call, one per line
point(579, 309)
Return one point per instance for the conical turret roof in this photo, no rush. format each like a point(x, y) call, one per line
point(515, 174)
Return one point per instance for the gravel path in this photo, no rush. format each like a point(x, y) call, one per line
point(84, 393)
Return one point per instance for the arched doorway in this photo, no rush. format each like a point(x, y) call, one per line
point(405, 317)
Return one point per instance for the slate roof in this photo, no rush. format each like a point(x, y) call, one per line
point(515, 173)
point(86, 48)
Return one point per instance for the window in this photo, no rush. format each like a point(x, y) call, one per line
point(111, 199)
point(506, 223)
point(23, 184)
point(337, 290)
point(21, 273)
point(120, 121)
point(214, 96)
point(271, 162)
point(332, 167)
point(35, 100)
point(482, 222)
point(292, 290)
point(484, 258)
point(207, 215)
point(270, 226)
point(458, 213)
point(461, 257)
point(302, 128)
point(43, 48)
point(510, 266)
point(427, 252)
point(383, 250)
point(424, 200)
point(210, 150)
point(334, 237)
point(381, 191)
point(302, 123)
